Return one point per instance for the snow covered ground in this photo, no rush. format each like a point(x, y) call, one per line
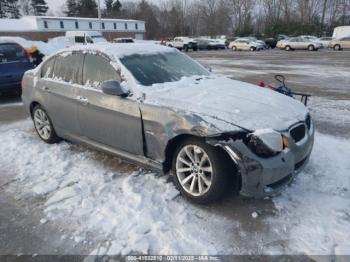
point(121, 212)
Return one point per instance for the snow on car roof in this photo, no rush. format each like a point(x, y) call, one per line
point(119, 50)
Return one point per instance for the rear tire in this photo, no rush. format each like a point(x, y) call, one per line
point(43, 125)
point(201, 172)
point(186, 48)
point(252, 49)
point(288, 48)
point(234, 48)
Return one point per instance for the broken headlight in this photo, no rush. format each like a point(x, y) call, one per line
point(265, 143)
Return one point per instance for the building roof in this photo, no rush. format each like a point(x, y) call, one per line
point(30, 23)
point(26, 23)
point(84, 18)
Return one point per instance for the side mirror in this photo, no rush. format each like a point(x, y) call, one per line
point(114, 88)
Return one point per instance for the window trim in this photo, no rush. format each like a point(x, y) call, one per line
point(107, 60)
point(53, 67)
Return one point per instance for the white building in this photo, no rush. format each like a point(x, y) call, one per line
point(44, 27)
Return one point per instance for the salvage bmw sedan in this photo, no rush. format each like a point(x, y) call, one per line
point(155, 106)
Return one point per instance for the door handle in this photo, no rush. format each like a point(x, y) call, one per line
point(83, 100)
point(45, 89)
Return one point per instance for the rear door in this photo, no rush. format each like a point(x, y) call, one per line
point(107, 119)
point(60, 88)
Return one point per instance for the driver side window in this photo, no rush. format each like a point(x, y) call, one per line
point(98, 70)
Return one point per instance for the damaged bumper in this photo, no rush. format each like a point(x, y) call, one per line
point(262, 177)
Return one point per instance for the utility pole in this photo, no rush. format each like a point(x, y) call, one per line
point(99, 14)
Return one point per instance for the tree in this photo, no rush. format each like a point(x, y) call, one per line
point(26, 7)
point(116, 6)
point(72, 8)
point(108, 10)
point(10, 8)
point(87, 8)
point(39, 7)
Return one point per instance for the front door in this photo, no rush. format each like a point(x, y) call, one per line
point(107, 119)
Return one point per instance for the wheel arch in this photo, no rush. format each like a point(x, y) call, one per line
point(173, 144)
point(32, 105)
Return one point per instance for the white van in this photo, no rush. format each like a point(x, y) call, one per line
point(341, 31)
point(83, 38)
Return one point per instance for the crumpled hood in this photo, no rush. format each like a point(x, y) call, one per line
point(226, 103)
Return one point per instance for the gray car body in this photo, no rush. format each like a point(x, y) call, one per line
point(147, 134)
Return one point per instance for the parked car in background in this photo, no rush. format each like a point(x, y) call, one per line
point(183, 43)
point(83, 38)
point(14, 61)
point(281, 37)
point(341, 31)
point(242, 44)
point(254, 39)
point(325, 41)
point(205, 44)
point(340, 44)
point(155, 106)
point(124, 40)
point(300, 43)
point(270, 42)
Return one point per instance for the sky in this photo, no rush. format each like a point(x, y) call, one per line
point(56, 7)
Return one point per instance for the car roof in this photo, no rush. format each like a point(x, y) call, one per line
point(119, 50)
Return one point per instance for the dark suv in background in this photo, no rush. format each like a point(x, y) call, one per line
point(14, 61)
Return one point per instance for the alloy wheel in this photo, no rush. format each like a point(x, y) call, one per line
point(194, 170)
point(42, 124)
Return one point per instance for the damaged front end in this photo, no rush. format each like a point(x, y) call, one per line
point(266, 160)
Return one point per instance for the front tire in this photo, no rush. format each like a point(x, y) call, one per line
point(337, 47)
point(311, 48)
point(201, 172)
point(234, 48)
point(252, 49)
point(288, 48)
point(43, 125)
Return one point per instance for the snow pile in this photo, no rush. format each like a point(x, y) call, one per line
point(233, 102)
point(316, 209)
point(52, 46)
point(119, 50)
point(127, 213)
point(136, 212)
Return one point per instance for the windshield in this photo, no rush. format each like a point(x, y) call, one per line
point(160, 68)
point(98, 39)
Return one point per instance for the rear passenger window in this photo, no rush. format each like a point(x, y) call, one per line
point(68, 68)
point(47, 68)
point(97, 70)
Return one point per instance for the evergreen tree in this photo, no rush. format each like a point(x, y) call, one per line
point(109, 8)
point(116, 6)
point(87, 8)
point(39, 7)
point(11, 9)
point(2, 9)
point(72, 8)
